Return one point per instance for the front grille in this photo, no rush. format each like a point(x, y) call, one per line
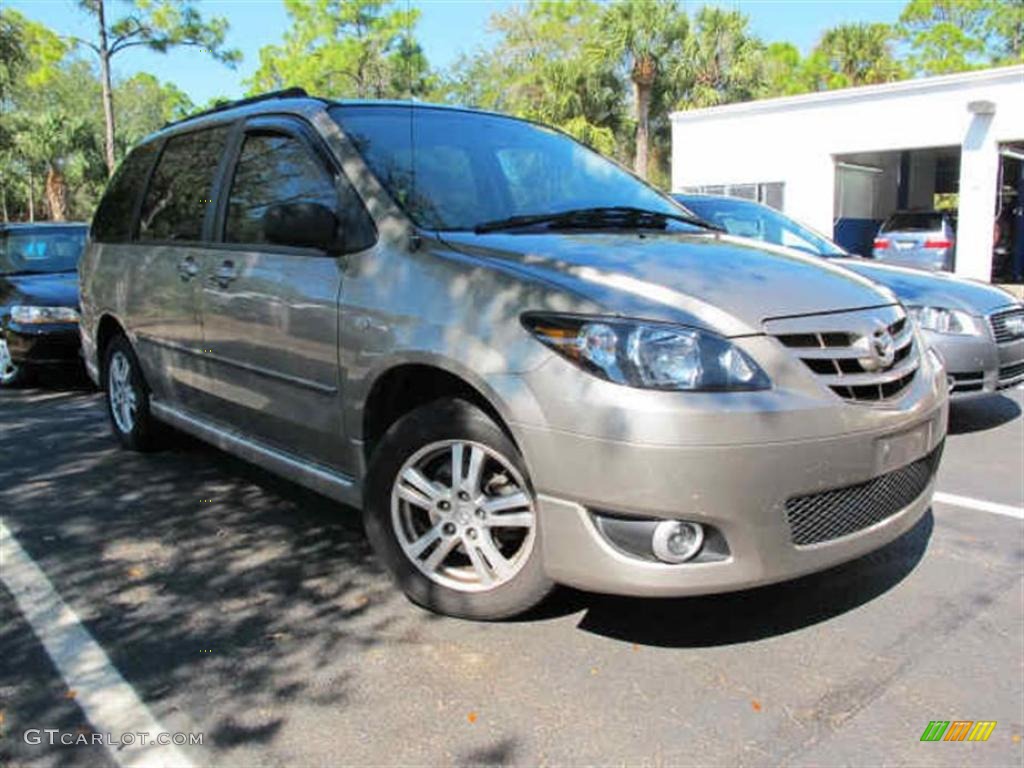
point(833, 514)
point(1010, 375)
point(1000, 329)
point(846, 360)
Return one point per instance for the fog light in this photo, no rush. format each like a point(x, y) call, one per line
point(676, 541)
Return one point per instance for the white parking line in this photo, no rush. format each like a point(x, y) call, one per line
point(106, 699)
point(981, 505)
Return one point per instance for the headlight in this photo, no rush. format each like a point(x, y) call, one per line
point(43, 315)
point(649, 355)
point(942, 320)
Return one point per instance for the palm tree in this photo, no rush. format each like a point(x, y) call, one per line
point(723, 62)
point(855, 54)
point(645, 35)
point(50, 142)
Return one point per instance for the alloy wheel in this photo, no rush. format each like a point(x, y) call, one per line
point(122, 394)
point(463, 515)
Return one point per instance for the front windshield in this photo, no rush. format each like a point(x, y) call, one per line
point(47, 249)
point(465, 168)
point(760, 222)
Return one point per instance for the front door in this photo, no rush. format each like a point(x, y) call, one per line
point(173, 227)
point(270, 312)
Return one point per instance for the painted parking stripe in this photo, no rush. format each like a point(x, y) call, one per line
point(106, 699)
point(981, 505)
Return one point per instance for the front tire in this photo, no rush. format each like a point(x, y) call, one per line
point(451, 513)
point(128, 397)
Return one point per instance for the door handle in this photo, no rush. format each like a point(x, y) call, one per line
point(224, 274)
point(187, 268)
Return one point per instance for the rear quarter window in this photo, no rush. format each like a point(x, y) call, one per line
point(180, 191)
point(112, 222)
point(913, 222)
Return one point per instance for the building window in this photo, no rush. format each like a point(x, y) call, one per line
point(770, 193)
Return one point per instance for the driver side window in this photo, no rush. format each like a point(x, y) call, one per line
point(272, 169)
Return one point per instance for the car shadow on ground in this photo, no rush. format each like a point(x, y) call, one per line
point(978, 415)
point(749, 615)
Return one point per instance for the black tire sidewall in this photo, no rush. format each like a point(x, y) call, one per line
point(437, 421)
point(141, 438)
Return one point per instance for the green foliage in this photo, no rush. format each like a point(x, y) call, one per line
point(30, 51)
point(52, 131)
point(853, 54)
point(645, 38)
point(782, 71)
point(945, 36)
point(144, 105)
point(346, 48)
point(723, 61)
point(160, 25)
point(537, 70)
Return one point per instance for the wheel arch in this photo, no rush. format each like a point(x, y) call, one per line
point(402, 387)
point(108, 327)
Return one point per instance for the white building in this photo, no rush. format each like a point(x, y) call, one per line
point(851, 157)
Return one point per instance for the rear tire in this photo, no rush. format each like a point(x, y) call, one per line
point(127, 397)
point(463, 542)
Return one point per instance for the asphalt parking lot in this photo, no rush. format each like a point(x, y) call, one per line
point(241, 607)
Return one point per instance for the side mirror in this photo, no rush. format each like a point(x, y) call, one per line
point(304, 225)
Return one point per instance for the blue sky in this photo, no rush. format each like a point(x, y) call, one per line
point(447, 28)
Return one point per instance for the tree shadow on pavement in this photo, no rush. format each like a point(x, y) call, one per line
point(200, 575)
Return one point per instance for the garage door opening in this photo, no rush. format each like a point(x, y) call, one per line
point(872, 186)
point(1008, 256)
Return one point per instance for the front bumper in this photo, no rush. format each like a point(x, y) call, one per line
point(977, 365)
point(51, 344)
point(732, 463)
point(741, 491)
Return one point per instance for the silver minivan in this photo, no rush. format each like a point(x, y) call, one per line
point(525, 365)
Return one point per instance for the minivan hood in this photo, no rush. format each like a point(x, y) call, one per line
point(56, 289)
point(726, 283)
point(917, 287)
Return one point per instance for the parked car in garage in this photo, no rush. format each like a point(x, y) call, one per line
point(38, 297)
point(978, 328)
point(920, 239)
point(526, 365)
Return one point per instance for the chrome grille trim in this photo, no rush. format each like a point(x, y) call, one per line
point(997, 322)
point(829, 515)
point(838, 349)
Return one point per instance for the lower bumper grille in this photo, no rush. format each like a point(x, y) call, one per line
point(832, 514)
point(1010, 375)
point(967, 382)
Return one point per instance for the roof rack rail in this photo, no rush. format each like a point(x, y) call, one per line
point(285, 93)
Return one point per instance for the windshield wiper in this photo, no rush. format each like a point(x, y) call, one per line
point(601, 217)
point(24, 272)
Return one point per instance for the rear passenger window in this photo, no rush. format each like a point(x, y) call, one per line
point(178, 195)
point(273, 169)
point(112, 222)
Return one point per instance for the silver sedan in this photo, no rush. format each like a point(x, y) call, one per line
point(977, 328)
